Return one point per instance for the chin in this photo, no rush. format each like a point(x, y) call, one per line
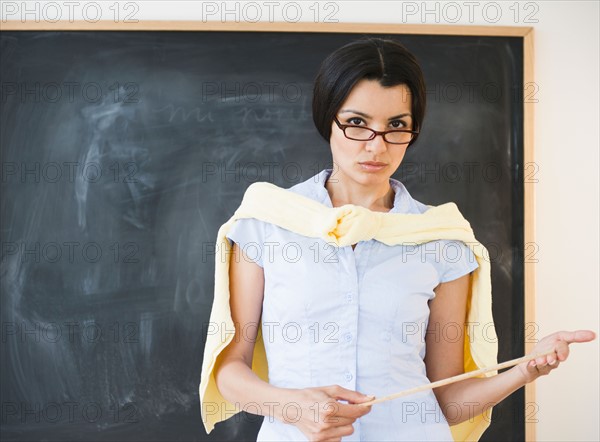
point(371, 177)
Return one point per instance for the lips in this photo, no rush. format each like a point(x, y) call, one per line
point(373, 163)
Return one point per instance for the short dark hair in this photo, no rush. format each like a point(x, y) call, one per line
point(385, 60)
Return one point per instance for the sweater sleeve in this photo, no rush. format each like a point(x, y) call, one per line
point(248, 233)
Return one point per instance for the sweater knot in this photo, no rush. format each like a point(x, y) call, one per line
point(351, 224)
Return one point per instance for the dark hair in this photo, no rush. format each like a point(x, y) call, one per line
point(385, 60)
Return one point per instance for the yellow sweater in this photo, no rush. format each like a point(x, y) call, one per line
point(344, 226)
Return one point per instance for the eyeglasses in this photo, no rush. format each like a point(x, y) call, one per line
point(362, 133)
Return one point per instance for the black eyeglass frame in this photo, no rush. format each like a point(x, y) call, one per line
point(374, 132)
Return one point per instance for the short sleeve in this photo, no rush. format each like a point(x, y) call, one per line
point(455, 259)
point(248, 234)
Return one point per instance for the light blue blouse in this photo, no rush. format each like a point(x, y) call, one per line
point(356, 318)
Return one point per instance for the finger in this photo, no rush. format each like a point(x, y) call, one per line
point(548, 368)
point(352, 411)
point(541, 361)
point(562, 350)
point(335, 410)
point(547, 359)
point(348, 395)
point(532, 367)
point(339, 420)
point(333, 415)
point(576, 336)
point(363, 400)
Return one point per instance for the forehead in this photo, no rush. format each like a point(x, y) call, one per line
point(370, 97)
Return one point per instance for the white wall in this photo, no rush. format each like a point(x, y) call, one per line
point(566, 128)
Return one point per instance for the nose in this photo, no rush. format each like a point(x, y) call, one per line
point(377, 144)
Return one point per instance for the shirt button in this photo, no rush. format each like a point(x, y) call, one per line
point(348, 337)
point(385, 336)
point(349, 297)
point(348, 376)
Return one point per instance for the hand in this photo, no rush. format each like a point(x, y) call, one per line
point(559, 342)
point(320, 416)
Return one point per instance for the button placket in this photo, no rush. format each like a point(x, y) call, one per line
point(348, 332)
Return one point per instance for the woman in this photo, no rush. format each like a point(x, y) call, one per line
point(342, 323)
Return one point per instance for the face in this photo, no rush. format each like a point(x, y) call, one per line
point(371, 105)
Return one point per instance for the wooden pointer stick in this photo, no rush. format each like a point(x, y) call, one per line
point(460, 377)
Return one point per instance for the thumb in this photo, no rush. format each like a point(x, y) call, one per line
point(350, 395)
point(365, 398)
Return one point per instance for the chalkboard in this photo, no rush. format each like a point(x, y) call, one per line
point(123, 152)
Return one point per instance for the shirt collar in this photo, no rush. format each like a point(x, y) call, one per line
point(401, 195)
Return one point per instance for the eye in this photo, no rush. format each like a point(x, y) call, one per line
point(354, 121)
point(398, 124)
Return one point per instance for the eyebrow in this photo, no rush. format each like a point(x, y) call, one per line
point(407, 114)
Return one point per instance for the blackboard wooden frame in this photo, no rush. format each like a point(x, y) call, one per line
point(526, 34)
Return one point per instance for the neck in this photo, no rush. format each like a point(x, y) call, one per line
point(378, 198)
